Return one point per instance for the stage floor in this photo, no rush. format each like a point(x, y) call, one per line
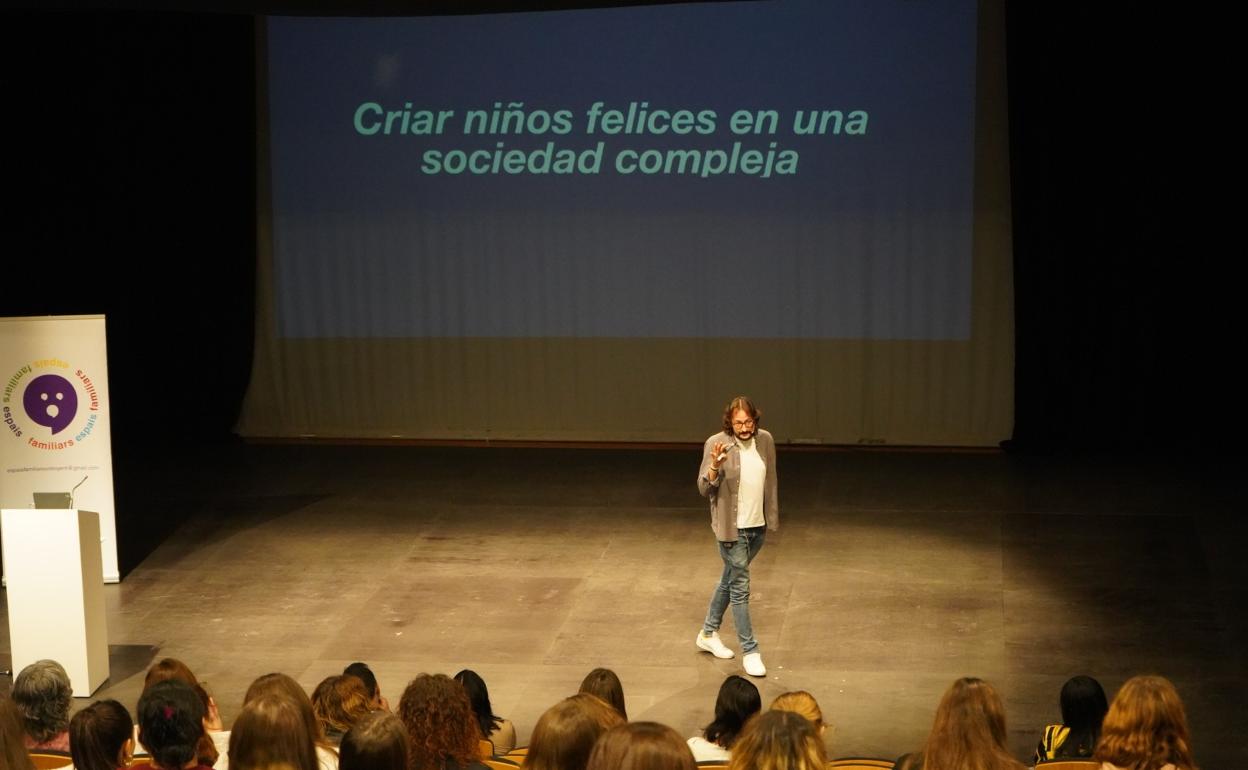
point(892, 575)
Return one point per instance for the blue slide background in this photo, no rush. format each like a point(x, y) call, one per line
point(871, 239)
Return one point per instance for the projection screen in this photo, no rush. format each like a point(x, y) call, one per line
point(601, 224)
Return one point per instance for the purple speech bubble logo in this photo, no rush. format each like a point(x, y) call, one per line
point(51, 402)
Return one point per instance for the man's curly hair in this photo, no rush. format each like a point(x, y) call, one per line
point(42, 693)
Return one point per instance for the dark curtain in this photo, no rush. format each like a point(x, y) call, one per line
point(1127, 335)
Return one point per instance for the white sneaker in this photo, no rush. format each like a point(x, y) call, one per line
point(713, 645)
point(753, 663)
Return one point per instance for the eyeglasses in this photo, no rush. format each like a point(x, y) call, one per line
point(743, 423)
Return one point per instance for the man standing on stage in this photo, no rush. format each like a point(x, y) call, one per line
point(738, 477)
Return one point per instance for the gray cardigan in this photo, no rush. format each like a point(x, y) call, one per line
point(722, 492)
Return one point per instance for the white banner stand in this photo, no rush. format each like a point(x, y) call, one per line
point(56, 419)
point(55, 592)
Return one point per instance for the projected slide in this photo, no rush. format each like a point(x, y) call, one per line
point(760, 170)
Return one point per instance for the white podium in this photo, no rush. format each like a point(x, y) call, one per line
point(55, 578)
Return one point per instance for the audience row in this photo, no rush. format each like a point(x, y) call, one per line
point(441, 721)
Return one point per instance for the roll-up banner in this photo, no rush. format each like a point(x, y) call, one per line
point(55, 438)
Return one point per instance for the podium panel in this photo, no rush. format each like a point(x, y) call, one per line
point(55, 586)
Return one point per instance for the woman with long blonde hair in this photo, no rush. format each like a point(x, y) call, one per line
point(804, 704)
point(1146, 728)
point(968, 732)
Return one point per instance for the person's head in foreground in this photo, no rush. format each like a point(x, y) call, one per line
point(171, 668)
point(272, 732)
point(338, 702)
point(565, 734)
point(101, 737)
point(778, 740)
point(42, 694)
point(1146, 727)
point(441, 728)
point(738, 700)
point(365, 674)
point(606, 685)
point(968, 732)
point(171, 723)
point(641, 746)
point(1083, 710)
point(804, 704)
point(479, 697)
point(284, 685)
point(376, 742)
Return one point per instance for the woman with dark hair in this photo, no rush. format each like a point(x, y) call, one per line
point(13, 753)
point(375, 699)
point(271, 732)
point(283, 685)
point(441, 728)
point(498, 731)
point(171, 724)
point(738, 700)
point(1083, 709)
point(42, 694)
point(641, 746)
point(779, 740)
point(339, 702)
point(968, 732)
point(101, 737)
point(606, 685)
point(376, 742)
point(1145, 728)
point(566, 732)
point(216, 737)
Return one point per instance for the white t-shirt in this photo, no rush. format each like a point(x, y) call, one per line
point(705, 751)
point(753, 481)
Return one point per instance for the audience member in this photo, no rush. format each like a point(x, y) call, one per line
point(375, 699)
point(101, 737)
point(338, 702)
point(376, 742)
point(641, 746)
point(13, 753)
point(42, 693)
point(1145, 728)
point(281, 684)
point(498, 731)
point(606, 685)
point(968, 732)
point(441, 728)
point(440, 721)
point(565, 734)
point(738, 700)
point(803, 704)
point(1083, 709)
point(778, 740)
point(271, 732)
point(171, 724)
point(212, 745)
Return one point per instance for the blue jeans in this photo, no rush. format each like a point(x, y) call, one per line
point(734, 586)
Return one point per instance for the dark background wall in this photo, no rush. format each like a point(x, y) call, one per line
point(131, 169)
